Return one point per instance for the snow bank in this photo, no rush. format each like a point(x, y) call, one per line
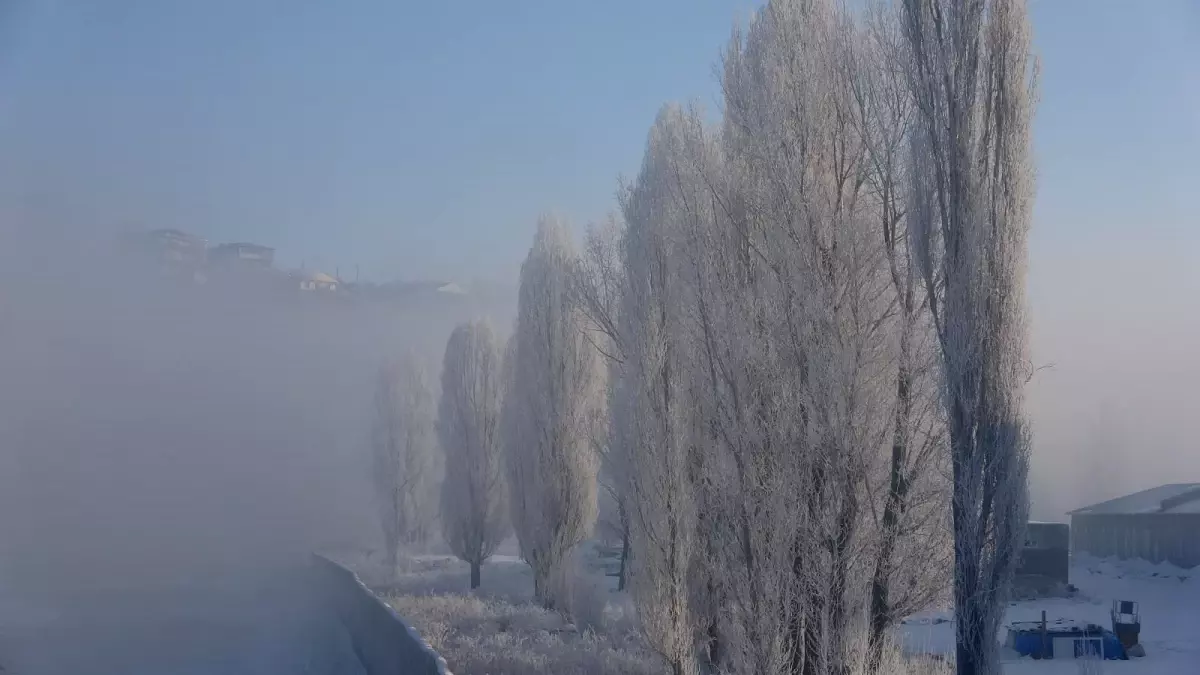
point(1133, 569)
point(1168, 598)
point(384, 642)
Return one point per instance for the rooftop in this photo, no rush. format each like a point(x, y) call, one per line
point(171, 232)
point(1170, 498)
point(243, 244)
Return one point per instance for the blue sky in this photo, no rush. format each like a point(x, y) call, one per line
point(423, 138)
point(415, 138)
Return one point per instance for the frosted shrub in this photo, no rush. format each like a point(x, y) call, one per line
point(498, 629)
point(892, 660)
point(587, 598)
point(480, 636)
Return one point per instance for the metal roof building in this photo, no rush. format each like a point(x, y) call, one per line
point(1161, 524)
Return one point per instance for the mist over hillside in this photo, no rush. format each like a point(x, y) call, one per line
point(151, 428)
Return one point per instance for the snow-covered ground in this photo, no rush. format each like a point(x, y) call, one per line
point(497, 629)
point(1170, 609)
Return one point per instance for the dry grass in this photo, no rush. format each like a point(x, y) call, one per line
point(479, 636)
point(498, 630)
point(894, 662)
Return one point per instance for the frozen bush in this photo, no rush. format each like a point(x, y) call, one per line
point(587, 598)
point(892, 660)
point(498, 630)
point(492, 636)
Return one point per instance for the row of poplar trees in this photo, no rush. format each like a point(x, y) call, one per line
point(813, 314)
point(796, 356)
point(517, 427)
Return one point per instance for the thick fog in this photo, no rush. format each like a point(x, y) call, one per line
point(157, 432)
point(152, 432)
point(149, 430)
point(1114, 408)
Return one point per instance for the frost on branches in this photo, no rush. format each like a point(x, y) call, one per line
point(474, 494)
point(787, 300)
point(403, 456)
point(652, 406)
point(555, 392)
point(813, 330)
point(971, 200)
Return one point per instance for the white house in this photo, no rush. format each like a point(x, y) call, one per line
point(318, 281)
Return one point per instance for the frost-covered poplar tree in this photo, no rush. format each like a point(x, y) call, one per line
point(403, 456)
point(799, 267)
point(796, 157)
point(599, 279)
point(784, 258)
point(551, 410)
point(474, 504)
point(912, 555)
point(652, 398)
point(971, 76)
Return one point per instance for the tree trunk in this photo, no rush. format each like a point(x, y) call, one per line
point(475, 575)
point(971, 645)
point(546, 587)
point(975, 648)
point(881, 612)
point(623, 575)
point(894, 506)
point(797, 629)
point(391, 560)
point(713, 654)
point(814, 636)
point(838, 621)
point(554, 588)
point(811, 601)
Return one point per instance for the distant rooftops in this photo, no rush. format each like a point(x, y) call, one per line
point(244, 246)
point(174, 234)
point(244, 251)
point(322, 278)
point(1170, 498)
point(233, 258)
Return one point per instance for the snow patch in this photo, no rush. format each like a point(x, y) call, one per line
point(1168, 597)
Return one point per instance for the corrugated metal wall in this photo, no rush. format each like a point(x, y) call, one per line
point(1157, 537)
point(1049, 563)
point(1046, 552)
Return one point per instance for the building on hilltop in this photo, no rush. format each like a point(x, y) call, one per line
point(173, 252)
point(242, 268)
point(177, 246)
point(1161, 524)
point(242, 253)
point(317, 282)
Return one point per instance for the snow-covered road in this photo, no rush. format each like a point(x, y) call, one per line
point(261, 625)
